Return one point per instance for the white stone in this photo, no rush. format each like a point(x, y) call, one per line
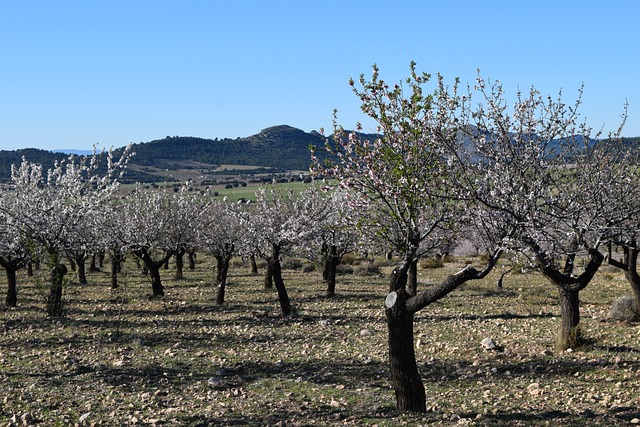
point(488, 344)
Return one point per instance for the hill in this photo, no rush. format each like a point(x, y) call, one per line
point(277, 148)
point(281, 147)
point(8, 158)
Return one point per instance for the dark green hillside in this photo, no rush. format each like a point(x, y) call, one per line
point(282, 147)
point(34, 155)
point(279, 148)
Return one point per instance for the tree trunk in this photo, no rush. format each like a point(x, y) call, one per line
point(72, 262)
point(116, 265)
point(93, 265)
point(153, 269)
point(632, 276)
point(283, 296)
point(569, 288)
point(54, 301)
point(629, 264)
point(82, 272)
point(222, 268)
point(11, 266)
point(192, 259)
point(412, 278)
point(331, 263)
point(274, 274)
point(179, 275)
point(12, 287)
point(405, 378)
point(254, 265)
point(268, 276)
point(500, 281)
point(400, 308)
point(570, 318)
point(156, 283)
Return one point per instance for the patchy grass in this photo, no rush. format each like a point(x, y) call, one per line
point(125, 359)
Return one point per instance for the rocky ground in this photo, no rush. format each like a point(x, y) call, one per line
point(120, 358)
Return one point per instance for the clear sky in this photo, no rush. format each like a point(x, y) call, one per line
point(78, 73)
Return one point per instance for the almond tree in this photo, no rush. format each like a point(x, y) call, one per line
point(156, 224)
point(404, 176)
point(338, 235)
point(49, 207)
point(112, 236)
point(559, 187)
point(281, 221)
point(14, 249)
point(623, 190)
point(222, 231)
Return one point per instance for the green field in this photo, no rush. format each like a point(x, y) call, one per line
point(249, 192)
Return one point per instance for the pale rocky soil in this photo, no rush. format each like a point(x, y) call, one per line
point(118, 358)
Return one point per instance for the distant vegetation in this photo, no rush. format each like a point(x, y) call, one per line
point(278, 149)
point(274, 151)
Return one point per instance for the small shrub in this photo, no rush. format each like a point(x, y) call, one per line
point(292, 264)
point(237, 262)
point(433, 262)
point(350, 259)
point(308, 268)
point(624, 309)
point(344, 269)
point(366, 269)
point(383, 262)
point(608, 268)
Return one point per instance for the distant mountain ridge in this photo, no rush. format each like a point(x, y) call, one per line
point(280, 147)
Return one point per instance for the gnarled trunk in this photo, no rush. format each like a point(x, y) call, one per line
point(630, 267)
point(331, 263)
point(116, 266)
point(156, 283)
point(80, 260)
point(93, 264)
point(12, 287)
point(400, 308)
point(412, 278)
point(153, 268)
point(192, 259)
point(254, 264)
point(179, 275)
point(268, 276)
point(405, 378)
point(569, 288)
point(222, 268)
point(570, 318)
point(54, 300)
point(273, 263)
point(11, 266)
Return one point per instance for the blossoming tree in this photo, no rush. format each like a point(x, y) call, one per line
point(560, 188)
point(155, 225)
point(50, 207)
point(222, 231)
point(281, 221)
point(404, 176)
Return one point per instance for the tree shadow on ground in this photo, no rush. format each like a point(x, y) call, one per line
point(350, 373)
point(506, 370)
point(504, 316)
point(587, 417)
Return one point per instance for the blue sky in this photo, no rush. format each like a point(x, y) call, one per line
point(78, 73)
